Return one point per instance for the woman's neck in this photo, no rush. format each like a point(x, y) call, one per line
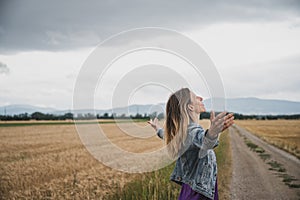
point(195, 117)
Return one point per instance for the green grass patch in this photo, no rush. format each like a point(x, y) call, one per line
point(37, 123)
point(292, 185)
point(34, 124)
point(157, 186)
point(154, 185)
point(259, 150)
point(251, 145)
point(264, 156)
point(276, 166)
point(224, 161)
point(288, 180)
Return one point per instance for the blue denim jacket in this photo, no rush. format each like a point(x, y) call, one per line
point(196, 166)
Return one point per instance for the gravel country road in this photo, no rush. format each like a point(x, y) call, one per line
point(252, 178)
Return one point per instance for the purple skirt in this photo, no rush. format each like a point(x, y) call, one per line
point(187, 193)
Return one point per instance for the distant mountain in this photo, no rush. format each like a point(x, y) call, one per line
point(130, 110)
point(259, 106)
point(141, 109)
point(237, 105)
point(19, 108)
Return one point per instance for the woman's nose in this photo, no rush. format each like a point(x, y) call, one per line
point(200, 98)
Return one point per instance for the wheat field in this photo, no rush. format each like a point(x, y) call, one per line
point(49, 161)
point(284, 134)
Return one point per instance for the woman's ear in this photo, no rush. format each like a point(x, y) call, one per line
point(191, 107)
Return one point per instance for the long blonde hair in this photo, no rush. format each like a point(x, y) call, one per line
point(177, 120)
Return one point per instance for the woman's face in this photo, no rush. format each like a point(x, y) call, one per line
point(197, 104)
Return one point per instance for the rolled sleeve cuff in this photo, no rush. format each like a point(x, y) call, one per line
point(160, 133)
point(208, 143)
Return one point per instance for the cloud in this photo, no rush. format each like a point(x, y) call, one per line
point(277, 79)
point(4, 69)
point(62, 25)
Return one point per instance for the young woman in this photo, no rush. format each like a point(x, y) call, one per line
point(186, 140)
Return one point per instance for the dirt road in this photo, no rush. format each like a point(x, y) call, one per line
point(252, 178)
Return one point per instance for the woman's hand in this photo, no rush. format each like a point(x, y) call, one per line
point(219, 123)
point(154, 124)
point(229, 120)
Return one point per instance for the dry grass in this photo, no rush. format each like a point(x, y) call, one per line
point(156, 185)
point(284, 134)
point(224, 160)
point(49, 162)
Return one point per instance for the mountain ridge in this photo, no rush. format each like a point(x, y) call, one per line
point(244, 105)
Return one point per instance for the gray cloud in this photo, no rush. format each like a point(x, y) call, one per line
point(4, 69)
point(276, 79)
point(61, 25)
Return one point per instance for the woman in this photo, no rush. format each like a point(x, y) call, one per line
point(196, 167)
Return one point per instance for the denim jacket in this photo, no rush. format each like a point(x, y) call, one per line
point(196, 166)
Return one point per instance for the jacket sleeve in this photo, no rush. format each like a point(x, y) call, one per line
point(216, 144)
point(203, 142)
point(160, 133)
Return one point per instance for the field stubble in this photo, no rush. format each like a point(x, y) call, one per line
point(156, 185)
point(285, 134)
point(49, 161)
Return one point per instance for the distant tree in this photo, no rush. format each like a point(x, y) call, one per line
point(153, 115)
point(160, 116)
point(38, 116)
point(89, 116)
point(146, 116)
point(205, 115)
point(138, 116)
point(24, 116)
point(68, 116)
point(113, 115)
point(79, 116)
point(105, 116)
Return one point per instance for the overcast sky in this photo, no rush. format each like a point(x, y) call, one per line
point(43, 45)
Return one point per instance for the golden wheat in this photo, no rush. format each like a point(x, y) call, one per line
point(49, 161)
point(284, 134)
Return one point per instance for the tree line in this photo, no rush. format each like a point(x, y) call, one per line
point(86, 116)
point(206, 115)
point(79, 116)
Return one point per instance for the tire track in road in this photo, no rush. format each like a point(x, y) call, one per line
point(252, 178)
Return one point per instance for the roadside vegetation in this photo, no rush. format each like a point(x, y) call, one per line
point(156, 185)
point(274, 165)
point(284, 134)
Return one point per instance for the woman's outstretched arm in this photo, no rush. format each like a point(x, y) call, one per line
point(159, 131)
